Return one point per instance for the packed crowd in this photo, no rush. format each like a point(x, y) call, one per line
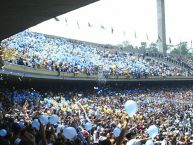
point(63, 55)
point(96, 117)
point(187, 60)
point(183, 61)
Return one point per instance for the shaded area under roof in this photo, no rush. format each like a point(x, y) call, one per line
point(18, 15)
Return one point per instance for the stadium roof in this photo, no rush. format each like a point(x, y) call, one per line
point(18, 15)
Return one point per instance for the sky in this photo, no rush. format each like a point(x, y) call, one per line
point(132, 20)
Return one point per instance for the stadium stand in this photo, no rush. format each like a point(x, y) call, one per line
point(40, 51)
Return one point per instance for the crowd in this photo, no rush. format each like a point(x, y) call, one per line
point(183, 61)
point(96, 116)
point(63, 55)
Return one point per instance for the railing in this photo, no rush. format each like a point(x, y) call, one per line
point(25, 71)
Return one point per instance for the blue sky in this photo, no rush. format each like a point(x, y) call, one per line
point(126, 17)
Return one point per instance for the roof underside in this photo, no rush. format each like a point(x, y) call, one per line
point(18, 15)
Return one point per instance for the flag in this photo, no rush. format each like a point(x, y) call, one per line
point(170, 40)
point(56, 19)
point(112, 30)
point(66, 20)
point(78, 25)
point(159, 38)
point(147, 37)
point(102, 27)
point(135, 35)
point(124, 33)
point(89, 25)
point(191, 43)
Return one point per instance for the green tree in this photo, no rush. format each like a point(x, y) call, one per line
point(153, 47)
point(181, 49)
point(143, 46)
point(176, 51)
point(184, 49)
point(126, 44)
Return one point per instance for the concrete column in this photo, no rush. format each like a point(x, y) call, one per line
point(161, 25)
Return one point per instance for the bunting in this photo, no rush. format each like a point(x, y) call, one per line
point(124, 33)
point(102, 27)
point(89, 25)
point(135, 35)
point(112, 30)
point(159, 38)
point(66, 20)
point(170, 40)
point(78, 25)
point(56, 19)
point(147, 37)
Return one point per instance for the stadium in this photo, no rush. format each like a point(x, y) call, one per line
point(96, 72)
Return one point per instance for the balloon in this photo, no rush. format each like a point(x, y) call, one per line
point(116, 132)
point(97, 113)
point(131, 107)
point(133, 142)
point(152, 131)
point(88, 126)
point(69, 111)
point(70, 133)
point(3, 132)
point(85, 99)
point(149, 142)
point(36, 124)
point(53, 119)
point(43, 119)
point(164, 142)
point(21, 124)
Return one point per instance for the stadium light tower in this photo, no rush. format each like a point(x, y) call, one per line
point(161, 25)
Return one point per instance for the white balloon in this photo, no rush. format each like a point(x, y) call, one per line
point(152, 131)
point(116, 132)
point(164, 142)
point(134, 142)
point(70, 133)
point(43, 119)
point(36, 124)
point(88, 126)
point(149, 142)
point(131, 107)
point(53, 119)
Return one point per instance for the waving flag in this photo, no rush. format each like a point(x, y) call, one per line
point(89, 25)
point(147, 37)
point(102, 27)
point(112, 30)
point(78, 25)
point(56, 19)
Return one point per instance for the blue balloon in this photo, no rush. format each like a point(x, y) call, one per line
point(131, 107)
point(149, 142)
point(53, 119)
point(36, 124)
point(70, 133)
point(152, 131)
point(116, 132)
point(43, 119)
point(88, 126)
point(85, 99)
